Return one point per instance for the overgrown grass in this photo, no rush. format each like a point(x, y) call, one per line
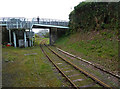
point(100, 47)
point(38, 40)
point(27, 67)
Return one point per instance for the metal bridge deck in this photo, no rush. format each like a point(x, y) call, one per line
point(49, 26)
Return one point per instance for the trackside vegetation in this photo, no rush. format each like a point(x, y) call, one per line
point(29, 67)
point(88, 16)
point(93, 34)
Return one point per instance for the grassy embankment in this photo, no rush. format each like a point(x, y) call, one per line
point(94, 33)
point(28, 67)
point(100, 47)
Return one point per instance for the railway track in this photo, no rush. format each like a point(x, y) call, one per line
point(78, 77)
point(94, 65)
point(99, 72)
point(43, 41)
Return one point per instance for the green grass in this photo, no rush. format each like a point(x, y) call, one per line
point(33, 70)
point(38, 40)
point(99, 47)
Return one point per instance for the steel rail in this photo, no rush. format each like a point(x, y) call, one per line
point(81, 70)
point(117, 76)
point(58, 68)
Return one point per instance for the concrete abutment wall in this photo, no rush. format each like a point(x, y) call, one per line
point(56, 33)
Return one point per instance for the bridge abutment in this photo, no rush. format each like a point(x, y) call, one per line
point(53, 35)
point(56, 33)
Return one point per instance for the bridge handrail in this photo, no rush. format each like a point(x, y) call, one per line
point(50, 22)
point(21, 22)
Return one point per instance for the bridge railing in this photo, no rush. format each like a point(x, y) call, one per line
point(50, 22)
point(23, 23)
point(16, 23)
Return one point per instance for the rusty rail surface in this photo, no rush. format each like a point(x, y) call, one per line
point(58, 68)
point(81, 70)
point(94, 65)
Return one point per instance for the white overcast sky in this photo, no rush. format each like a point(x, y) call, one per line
point(54, 9)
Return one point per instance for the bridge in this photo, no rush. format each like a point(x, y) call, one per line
point(24, 23)
point(16, 25)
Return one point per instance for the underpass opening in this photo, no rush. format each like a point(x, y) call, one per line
point(41, 35)
point(55, 32)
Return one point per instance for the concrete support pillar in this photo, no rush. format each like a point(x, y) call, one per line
point(32, 41)
point(21, 25)
point(50, 36)
point(55, 33)
point(9, 35)
point(29, 39)
point(25, 39)
point(14, 38)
